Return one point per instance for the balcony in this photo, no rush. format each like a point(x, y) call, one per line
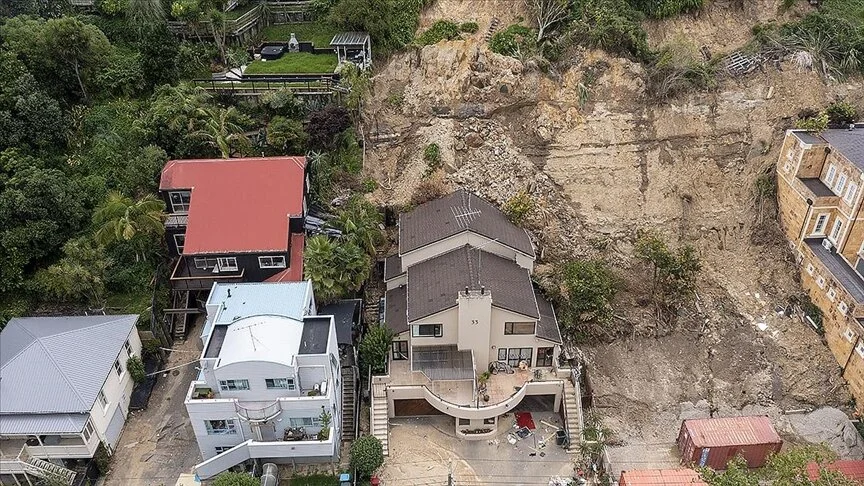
point(185, 277)
point(818, 192)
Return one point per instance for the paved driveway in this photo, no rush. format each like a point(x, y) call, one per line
point(158, 443)
point(422, 450)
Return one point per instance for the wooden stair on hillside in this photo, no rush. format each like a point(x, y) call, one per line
point(493, 26)
point(349, 404)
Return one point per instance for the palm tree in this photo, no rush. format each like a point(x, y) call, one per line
point(121, 218)
point(145, 13)
point(223, 128)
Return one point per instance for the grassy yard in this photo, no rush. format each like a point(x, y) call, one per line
point(314, 480)
point(239, 11)
point(318, 33)
point(295, 63)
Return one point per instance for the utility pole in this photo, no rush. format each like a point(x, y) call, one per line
point(450, 480)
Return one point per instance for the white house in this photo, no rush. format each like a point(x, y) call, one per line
point(270, 377)
point(64, 389)
point(459, 300)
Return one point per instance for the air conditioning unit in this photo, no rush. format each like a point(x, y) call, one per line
point(826, 243)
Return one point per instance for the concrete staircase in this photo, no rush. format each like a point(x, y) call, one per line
point(349, 403)
point(47, 470)
point(573, 408)
point(379, 423)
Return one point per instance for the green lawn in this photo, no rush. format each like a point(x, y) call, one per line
point(318, 33)
point(314, 480)
point(239, 11)
point(295, 63)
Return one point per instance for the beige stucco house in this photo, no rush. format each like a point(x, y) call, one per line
point(460, 298)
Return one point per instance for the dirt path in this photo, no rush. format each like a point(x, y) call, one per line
point(158, 443)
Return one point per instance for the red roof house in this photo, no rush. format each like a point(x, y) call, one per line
point(661, 477)
point(853, 470)
point(235, 219)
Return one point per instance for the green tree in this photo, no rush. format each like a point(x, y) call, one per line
point(235, 479)
point(360, 222)
point(673, 272)
point(70, 44)
point(144, 14)
point(391, 23)
point(374, 349)
point(175, 113)
point(518, 207)
point(286, 136)
point(282, 102)
point(78, 277)
point(337, 268)
point(787, 468)
point(121, 218)
point(584, 293)
point(223, 129)
point(367, 455)
point(28, 115)
point(841, 114)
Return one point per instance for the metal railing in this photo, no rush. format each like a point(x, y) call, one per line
point(303, 85)
point(258, 414)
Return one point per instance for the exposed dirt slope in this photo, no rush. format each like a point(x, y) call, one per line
point(604, 167)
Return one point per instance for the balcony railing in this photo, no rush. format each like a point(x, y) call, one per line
point(254, 414)
point(185, 277)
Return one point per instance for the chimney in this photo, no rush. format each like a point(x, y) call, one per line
point(851, 127)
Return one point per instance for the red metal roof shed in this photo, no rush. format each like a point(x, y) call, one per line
point(853, 470)
point(661, 477)
point(238, 205)
point(713, 442)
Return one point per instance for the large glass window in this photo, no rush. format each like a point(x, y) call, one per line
point(221, 427)
point(426, 330)
point(513, 356)
point(400, 350)
point(279, 383)
point(202, 263)
point(544, 356)
point(233, 385)
point(518, 328)
point(180, 201)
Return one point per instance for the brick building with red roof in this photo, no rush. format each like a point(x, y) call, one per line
point(235, 220)
point(853, 470)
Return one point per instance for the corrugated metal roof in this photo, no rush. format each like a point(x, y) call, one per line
point(29, 424)
point(58, 364)
point(662, 477)
point(853, 470)
point(731, 431)
point(349, 39)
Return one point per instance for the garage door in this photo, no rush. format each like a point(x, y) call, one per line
point(413, 408)
point(115, 427)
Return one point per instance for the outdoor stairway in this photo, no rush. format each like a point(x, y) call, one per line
point(378, 422)
point(45, 469)
point(180, 300)
point(573, 407)
point(493, 26)
point(349, 404)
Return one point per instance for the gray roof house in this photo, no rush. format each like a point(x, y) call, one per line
point(54, 373)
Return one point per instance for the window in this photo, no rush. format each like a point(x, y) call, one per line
point(88, 431)
point(271, 262)
point(849, 335)
point(489, 421)
point(180, 242)
point(118, 367)
point(821, 222)
point(464, 421)
point(205, 263)
point(820, 281)
point(180, 201)
point(426, 330)
point(860, 349)
point(841, 184)
point(518, 328)
point(221, 449)
point(851, 192)
point(304, 421)
point(102, 400)
point(787, 167)
point(227, 263)
point(544, 356)
point(830, 175)
point(233, 385)
point(279, 383)
point(514, 355)
point(832, 294)
point(128, 348)
point(836, 231)
point(221, 427)
point(400, 350)
point(843, 308)
point(810, 268)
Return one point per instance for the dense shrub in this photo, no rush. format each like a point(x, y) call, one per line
point(440, 30)
point(374, 349)
point(518, 206)
point(833, 36)
point(660, 9)
point(612, 25)
point(513, 41)
point(841, 114)
point(235, 479)
point(390, 23)
point(136, 369)
point(469, 27)
point(367, 455)
point(678, 69)
point(427, 190)
point(585, 292)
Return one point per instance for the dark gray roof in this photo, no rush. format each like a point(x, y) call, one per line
point(456, 213)
point(217, 339)
point(818, 188)
point(315, 333)
point(349, 39)
point(346, 314)
point(392, 267)
point(434, 284)
point(850, 143)
point(547, 326)
point(396, 310)
point(808, 138)
point(840, 270)
point(56, 365)
point(443, 362)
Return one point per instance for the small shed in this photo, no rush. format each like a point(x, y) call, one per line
point(353, 47)
point(661, 477)
point(713, 442)
point(853, 470)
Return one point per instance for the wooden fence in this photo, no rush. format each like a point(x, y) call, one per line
point(318, 85)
